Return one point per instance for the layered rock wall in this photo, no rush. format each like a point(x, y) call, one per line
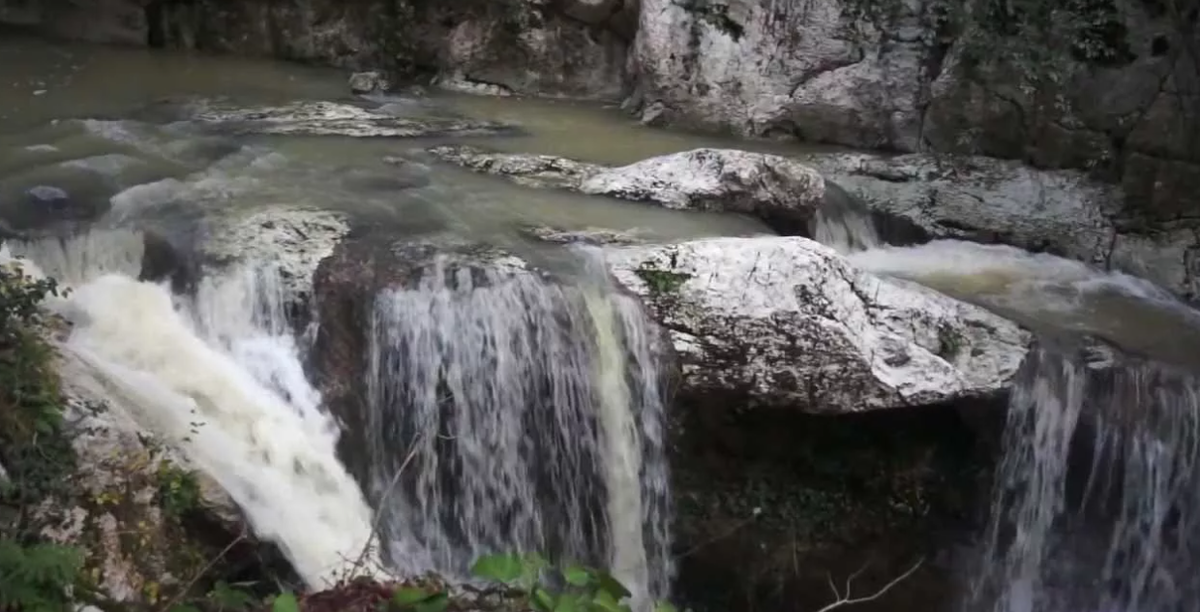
point(1115, 87)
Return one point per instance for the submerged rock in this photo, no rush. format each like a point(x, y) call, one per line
point(531, 170)
point(336, 119)
point(788, 323)
point(368, 82)
point(595, 236)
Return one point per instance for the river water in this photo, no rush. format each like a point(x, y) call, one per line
point(90, 137)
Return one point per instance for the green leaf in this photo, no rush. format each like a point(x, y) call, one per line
point(285, 602)
point(434, 603)
point(603, 601)
point(577, 575)
point(408, 595)
point(532, 565)
point(542, 600)
point(568, 603)
point(665, 606)
point(501, 568)
point(612, 586)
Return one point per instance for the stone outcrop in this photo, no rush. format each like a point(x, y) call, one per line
point(788, 323)
point(292, 239)
point(784, 193)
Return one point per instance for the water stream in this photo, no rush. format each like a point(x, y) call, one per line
point(527, 412)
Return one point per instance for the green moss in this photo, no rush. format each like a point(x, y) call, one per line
point(661, 280)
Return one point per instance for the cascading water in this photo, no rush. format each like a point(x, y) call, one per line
point(843, 223)
point(531, 418)
point(219, 377)
point(1097, 500)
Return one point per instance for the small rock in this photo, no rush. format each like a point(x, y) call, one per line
point(655, 114)
point(48, 195)
point(368, 82)
point(595, 236)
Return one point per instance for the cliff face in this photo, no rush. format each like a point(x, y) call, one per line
point(573, 48)
point(1118, 88)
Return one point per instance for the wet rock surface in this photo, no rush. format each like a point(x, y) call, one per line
point(531, 170)
point(787, 323)
point(982, 199)
point(336, 119)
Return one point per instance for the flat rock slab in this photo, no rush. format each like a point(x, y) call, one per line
point(337, 119)
point(788, 323)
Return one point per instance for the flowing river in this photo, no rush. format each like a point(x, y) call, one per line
point(98, 152)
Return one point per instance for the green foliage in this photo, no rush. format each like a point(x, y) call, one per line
point(37, 578)
point(584, 589)
point(178, 489)
point(419, 599)
point(34, 577)
point(285, 602)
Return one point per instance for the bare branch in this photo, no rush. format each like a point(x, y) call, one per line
point(847, 599)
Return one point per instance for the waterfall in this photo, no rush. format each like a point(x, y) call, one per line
point(530, 417)
point(1097, 500)
point(217, 376)
point(527, 414)
point(844, 223)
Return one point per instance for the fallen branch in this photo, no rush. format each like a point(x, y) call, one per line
point(846, 599)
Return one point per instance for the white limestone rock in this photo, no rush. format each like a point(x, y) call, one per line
point(788, 323)
point(294, 240)
point(783, 192)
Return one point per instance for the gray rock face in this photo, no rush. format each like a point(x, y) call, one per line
point(787, 323)
point(771, 68)
point(827, 71)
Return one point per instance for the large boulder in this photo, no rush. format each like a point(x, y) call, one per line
point(781, 191)
point(788, 323)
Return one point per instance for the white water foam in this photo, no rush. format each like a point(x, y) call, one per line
point(220, 379)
